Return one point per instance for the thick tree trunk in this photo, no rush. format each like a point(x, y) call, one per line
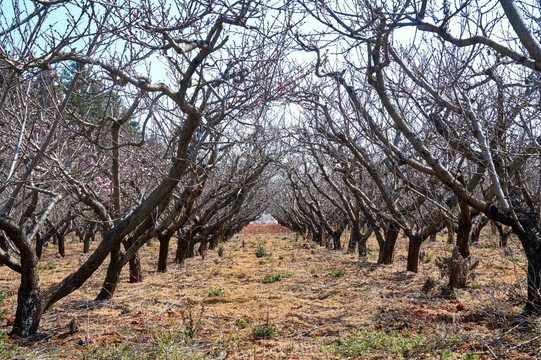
point(414, 250)
point(182, 249)
point(3, 243)
point(531, 242)
point(164, 250)
point(391, 234)
point(113, 274)
point(29, 302)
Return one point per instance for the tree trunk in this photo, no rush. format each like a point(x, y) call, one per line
point(478, 225)
point(61, 244)
point(113, 274)
point(164, 250)
point(4, 244)
point(354, 237)
point(362, 242)
point(391, 234)
point(531, 242)
point(136, 273)
point(40, 241)
point(414, 250)
point(29, 302)
point(86, 243)
point(464, 229)
point(336, 235)
point(203, 249)
point(182, 249)
point(381, 244)
point(503, 235)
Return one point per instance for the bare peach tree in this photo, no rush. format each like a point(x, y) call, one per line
point(218, 59)
point(462, 92)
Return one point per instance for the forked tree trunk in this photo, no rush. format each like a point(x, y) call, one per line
point(503, 235)
point(362, 242)
point(478, 226)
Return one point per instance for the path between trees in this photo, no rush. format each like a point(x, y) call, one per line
point(295, 301)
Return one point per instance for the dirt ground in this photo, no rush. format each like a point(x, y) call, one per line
point(295, 301)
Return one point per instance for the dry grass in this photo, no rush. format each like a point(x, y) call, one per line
point(322, 304)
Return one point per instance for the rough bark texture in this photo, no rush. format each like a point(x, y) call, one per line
point(464, 229)
point(531, 242)
point(478, 226)
point(414, 250)
point(458, 269)
point(182, 249)
point(391, 234)
point(111, 278)
point(164, 250)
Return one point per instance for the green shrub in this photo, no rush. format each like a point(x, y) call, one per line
point(337, 273)
point(260, 252)
point(264, 331)
point(221, 251)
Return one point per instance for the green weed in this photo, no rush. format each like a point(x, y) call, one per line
point(264, 331)
point(215, 291)
point(260, 252)
point(46, 267)
point(337, 273)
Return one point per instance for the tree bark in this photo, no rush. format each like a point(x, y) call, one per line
point(414, 250)
point(391, 234)
point(478, 226)
point(164, 250)
point(61, 244)
point(531, 242)
point(182, 249)
point(464, 229)
point(363, 251)
point(113, 274)
point(29, 301)
point(136, 272)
